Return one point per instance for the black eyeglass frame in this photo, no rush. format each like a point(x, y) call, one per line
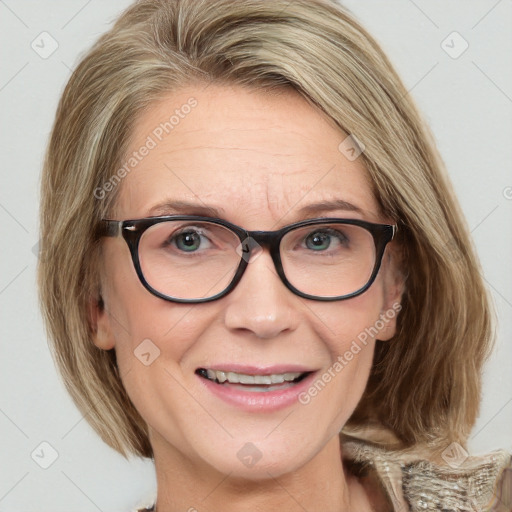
point(132, 231)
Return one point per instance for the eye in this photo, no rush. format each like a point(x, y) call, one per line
point(321, 240)
point(318, 241)
point(189, 241)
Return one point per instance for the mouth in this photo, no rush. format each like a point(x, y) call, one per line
point(253, 382)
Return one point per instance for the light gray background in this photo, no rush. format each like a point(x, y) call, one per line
point(467, 101)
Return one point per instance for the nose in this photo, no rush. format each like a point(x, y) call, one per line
point(260, 303)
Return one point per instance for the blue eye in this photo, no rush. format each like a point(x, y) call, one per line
point(198, 239)
point(326, 238)
point(188, 241)
point(318, 241)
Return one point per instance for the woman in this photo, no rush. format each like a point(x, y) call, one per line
point(255, 269)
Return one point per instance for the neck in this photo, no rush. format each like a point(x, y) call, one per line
point(321, 484)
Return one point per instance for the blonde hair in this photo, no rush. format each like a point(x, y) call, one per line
point(425, 383)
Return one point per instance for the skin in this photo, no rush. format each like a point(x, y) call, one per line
point(259, 158)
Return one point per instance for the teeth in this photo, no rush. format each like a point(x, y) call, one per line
point(212, 375)
point(243, 378)
point(233, 377)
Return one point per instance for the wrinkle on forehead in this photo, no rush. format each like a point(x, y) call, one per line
point(231, 140)
point(250, 156)
point(230, 148)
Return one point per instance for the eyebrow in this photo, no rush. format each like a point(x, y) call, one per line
point(328, 206)
point(170, 207)
point(184, 207)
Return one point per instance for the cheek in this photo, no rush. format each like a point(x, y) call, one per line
point(354, 321)
point(152, 336)
point(137, 315)
point(349, 330)
point(168, 330)
point(151, 355)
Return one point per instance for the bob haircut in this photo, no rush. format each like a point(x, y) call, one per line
point(425, 383)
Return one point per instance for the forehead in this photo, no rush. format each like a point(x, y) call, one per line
point(250, 154)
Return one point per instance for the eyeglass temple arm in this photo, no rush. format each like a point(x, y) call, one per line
point(109, 228)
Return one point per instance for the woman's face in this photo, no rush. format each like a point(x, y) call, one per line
point(261, 161)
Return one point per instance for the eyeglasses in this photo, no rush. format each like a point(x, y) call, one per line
point(193, 259)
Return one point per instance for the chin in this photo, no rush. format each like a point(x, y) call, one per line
point(258, 461)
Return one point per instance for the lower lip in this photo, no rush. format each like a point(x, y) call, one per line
point(258, 400)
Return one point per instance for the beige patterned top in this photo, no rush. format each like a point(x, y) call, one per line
point(407, 481)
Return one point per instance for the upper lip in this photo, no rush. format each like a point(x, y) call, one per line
point(259, 370)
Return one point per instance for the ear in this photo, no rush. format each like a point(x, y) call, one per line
point(100, 322)
point(393, 289)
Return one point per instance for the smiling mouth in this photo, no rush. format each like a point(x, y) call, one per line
point(256, 383)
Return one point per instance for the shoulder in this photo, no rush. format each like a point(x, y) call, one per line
point(417, 480)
